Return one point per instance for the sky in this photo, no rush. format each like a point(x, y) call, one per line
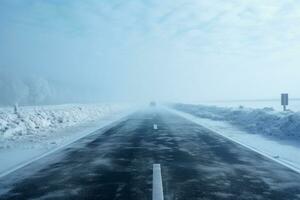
point(54, 51)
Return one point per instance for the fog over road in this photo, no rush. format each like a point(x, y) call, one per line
point(116, 163)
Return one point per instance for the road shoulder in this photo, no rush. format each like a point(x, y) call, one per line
point(16, 158)
point(283, 153)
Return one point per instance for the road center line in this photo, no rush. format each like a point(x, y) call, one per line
point(157, 188)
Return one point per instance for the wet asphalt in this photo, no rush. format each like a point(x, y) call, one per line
point(115, 163)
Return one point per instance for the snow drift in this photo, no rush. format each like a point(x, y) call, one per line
point(265, 121)
point(36, 123)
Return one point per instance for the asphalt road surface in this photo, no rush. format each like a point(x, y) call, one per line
point(116, 163)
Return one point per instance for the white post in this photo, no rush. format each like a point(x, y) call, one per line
point(157, 187)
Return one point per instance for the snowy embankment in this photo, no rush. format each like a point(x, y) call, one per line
point(266, 121)
point(32, 131)
point(34, 124)
point(271, 133)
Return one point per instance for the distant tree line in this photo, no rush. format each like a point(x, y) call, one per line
point(26, 91)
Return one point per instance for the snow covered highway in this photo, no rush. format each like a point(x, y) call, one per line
point(116, 162)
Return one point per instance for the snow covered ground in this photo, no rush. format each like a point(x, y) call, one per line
point(294, 104)
point(271, 133)
point(35, 131)
point(265, 121)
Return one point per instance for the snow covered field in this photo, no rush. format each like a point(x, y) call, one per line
point(34, 131)
point(294, 104)
point(266, 131)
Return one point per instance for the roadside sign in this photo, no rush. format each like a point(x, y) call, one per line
point(284, 100)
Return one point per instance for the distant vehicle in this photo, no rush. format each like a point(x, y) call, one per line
point(152, 103)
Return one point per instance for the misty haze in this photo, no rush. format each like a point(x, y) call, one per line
point(149, 99)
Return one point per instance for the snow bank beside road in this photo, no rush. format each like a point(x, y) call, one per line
point(35, 132)
point(266, 121)
point(285, 152)
point(35, 124)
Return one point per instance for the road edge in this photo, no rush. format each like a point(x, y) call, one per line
point(193, 119)
point(107, 124)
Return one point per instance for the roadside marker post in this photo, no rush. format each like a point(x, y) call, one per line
point(157, 187)
point(284, 100)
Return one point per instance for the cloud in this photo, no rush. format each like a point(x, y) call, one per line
point(139, 47)
point(237, 26)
